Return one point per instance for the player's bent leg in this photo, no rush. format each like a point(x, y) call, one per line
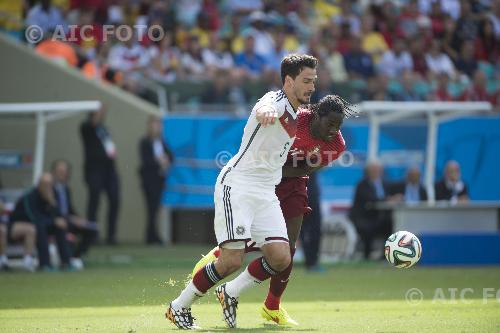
point(271, 309)
point(206, 259)
point(228, 262)
point(215, 253)
point(293, 226)
point(257, 271)
point(179, 310)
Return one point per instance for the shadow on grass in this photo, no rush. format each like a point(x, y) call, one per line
point(263, 328)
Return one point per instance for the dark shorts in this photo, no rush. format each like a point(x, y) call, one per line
point(292, 194)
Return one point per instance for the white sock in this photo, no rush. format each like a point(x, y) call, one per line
point(28, 261)
point(187, 297)
point(241, 283)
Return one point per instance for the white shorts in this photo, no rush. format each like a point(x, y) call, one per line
point(243, 214)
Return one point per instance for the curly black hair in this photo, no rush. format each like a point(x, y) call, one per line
point(335, 104)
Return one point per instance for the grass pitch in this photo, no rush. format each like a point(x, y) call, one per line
point(125, 289)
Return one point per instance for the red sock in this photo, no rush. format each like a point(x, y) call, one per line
point(206, 278)
point(260, 269)
point(277, 286)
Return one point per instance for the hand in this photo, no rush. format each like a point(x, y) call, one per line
point(61, 223)
point(266, 115)
point(396, 198)
point(164, 163)
point(78, 221)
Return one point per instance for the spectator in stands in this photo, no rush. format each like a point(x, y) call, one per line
point(88, 38)
point(156, 159)
point(487, 45)
point(100, 170)
point(264, 41)
point(128, 56)
point(278, 52)
point(494, 16)
point(252, 64)
point(58, 51)
point(218, 92)
point(192, 62)
point(478, 90)
point(442, 93)
point(349, 17)
point(47, 17)
point(466, 62)
point(244, 7)
point(165, 12)
point(437, 16)
point(35, 216)
point(334, 62)
point(408, 19)
point(411, 190)
point(98, 68)
point(417, 49)
point(407, 93)
point(372, 42)
point(448, 37)
point(165, 60)
point(217, 56)
point(369, 221)
point(78, 226)
point(466, 26)
point(377, 89)
point(357, 62)
point(394, 62)
point(438, 61)
point(452, 188)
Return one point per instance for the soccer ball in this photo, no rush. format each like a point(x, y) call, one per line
point(403, 249)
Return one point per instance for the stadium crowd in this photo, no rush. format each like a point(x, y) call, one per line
point(402, 50)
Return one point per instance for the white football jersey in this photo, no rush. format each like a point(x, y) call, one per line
point(263, 150)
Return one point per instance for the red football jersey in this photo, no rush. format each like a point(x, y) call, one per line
point(316, 151)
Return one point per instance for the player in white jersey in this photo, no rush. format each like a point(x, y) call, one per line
point(246, 206)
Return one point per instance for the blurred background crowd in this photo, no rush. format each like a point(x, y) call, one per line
point(228, 52)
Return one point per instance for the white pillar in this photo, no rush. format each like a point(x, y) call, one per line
point(39, 146)
point(373, 136)
point(430, 160)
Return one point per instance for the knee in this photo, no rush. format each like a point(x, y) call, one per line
point(227, 265)
point(280, 260)
point(29, 231)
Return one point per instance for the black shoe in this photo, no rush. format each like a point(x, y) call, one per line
point(5, 268)
point(229, 305)
point(182, 318)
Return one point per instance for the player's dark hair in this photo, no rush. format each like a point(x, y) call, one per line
point(335, 104)
point(293, 64)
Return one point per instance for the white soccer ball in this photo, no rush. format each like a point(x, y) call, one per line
point(403, 249)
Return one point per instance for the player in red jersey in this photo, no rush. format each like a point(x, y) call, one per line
point(318, 143)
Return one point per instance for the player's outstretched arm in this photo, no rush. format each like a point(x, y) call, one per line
point(266, 115)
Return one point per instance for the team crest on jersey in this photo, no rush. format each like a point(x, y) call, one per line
point(240, 230)
point(288, 123)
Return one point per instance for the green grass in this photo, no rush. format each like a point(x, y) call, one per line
point(125, 289)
